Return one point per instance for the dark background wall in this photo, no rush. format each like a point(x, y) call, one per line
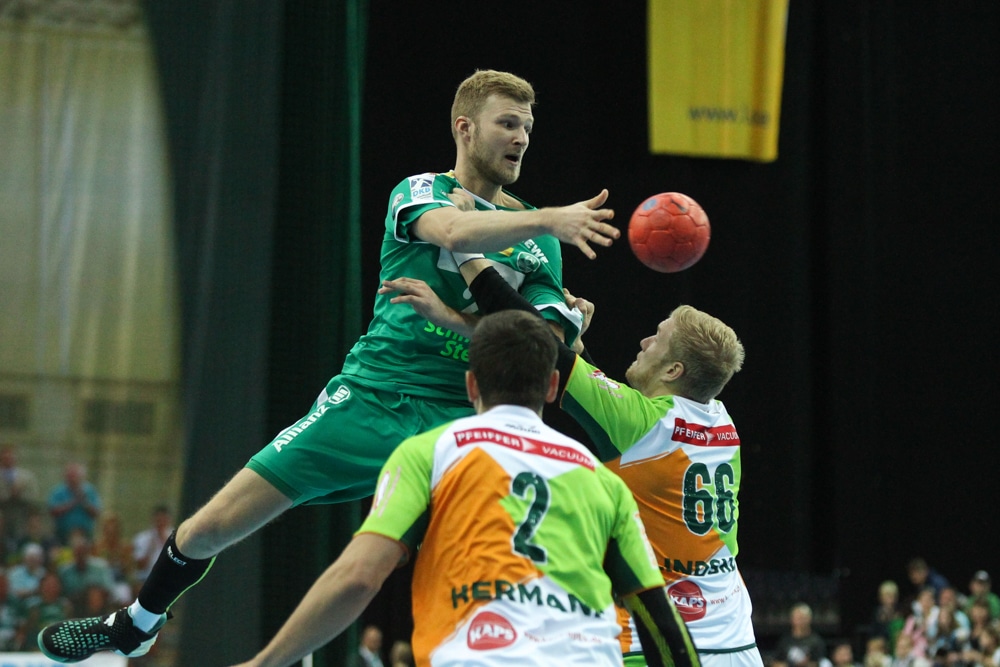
point(858, 268)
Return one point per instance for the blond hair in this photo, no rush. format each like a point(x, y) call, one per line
point(474, 91)
point(708, 348)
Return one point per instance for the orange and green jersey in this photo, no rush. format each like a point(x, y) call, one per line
point(522, 536)
point(681, 459)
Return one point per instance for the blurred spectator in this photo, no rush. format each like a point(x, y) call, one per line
point(980, 589)
point(800, 646)
point(74, 503)
point(842, 654)
point(49, 606)
point(26, 577)
point(19, 493)
point(877, 652)
point(10, 616)
point(986, 650)
point(951, 639)
point(921, 624)
point(116, 551)
point(922, 576)
point(979, 625)
point(904, 656)
point(369, 652)
point(888, 617)
point(37, 531)
point(401, 654)
point(146, 546)
point(84, 571)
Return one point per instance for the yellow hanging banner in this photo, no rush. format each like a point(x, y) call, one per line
point(715, 75)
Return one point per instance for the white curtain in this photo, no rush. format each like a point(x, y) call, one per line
point(89, 333)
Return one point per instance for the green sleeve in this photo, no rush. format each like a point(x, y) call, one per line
point(630, 561)
point(401, 507)
point(614, 415)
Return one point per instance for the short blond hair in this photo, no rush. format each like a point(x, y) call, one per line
point(474, 91)
point(708, 348)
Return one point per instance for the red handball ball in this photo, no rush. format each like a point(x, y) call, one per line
point(669, 232)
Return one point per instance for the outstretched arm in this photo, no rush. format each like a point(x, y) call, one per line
point(456, 228)
point(665, 638)
point(335, 600)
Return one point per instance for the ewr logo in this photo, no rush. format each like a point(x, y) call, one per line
point(688, 598)
point(490, 631)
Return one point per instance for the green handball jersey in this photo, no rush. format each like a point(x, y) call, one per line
point(406, 353)
point(523, 536)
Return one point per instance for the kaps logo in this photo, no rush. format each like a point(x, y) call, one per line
point(688, 598)
point(489, 631)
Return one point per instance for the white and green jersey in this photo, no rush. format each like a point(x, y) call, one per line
point(522, 533)
point(681, 459)
point(406, 353)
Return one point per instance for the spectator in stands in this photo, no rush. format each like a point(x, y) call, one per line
point(19, 493)
point(842, 654)
point(800, 646)
point(923, 575)
point(112, 546)
point(949, 599)
point(951, 639)
point(26, 577)
point(888, 617)
point(904, 655)
point(37, 531)
point(877, 652)
point(49, 606)
point(401, 654)
point(980, 589)
point(979, 625)
point(84, 571)
point(146, 545)
point(985, 652)
point(370, 650)
point(921, 624)
point(74, 503)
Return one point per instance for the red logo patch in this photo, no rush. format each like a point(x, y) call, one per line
point(689, 600)
point(696, 434)
point(489, 631)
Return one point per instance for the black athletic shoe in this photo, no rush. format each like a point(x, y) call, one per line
point(79, 638)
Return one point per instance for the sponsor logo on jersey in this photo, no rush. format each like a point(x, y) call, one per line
point(536, 251)
point(341, 395)
point(706, 436)
point(396, 201)
point(456, 346)
point(289, 433)
point(523, 444)
point(519, 593)
point(420, 186)
point(606, 383)
point(490, 631)
point(526, 262)
point(689, 599)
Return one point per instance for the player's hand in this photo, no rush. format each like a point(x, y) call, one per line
point(427, 303)
point(584, 223)
point(585, 307)
point(462, 200)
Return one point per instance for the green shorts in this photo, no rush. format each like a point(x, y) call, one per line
point(335, 453)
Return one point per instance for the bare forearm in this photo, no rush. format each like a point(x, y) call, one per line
point(485, 231)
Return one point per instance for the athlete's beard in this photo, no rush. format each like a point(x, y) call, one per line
point(485, 164)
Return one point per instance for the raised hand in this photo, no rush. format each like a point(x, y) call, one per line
point(583, 223)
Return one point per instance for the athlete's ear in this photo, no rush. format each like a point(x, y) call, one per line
point(463, 126)
point(472, 389)
point(553, 392)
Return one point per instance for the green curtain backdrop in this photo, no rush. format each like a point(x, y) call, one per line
point(262, 102)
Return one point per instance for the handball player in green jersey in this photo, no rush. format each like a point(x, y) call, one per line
point(402, 377)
